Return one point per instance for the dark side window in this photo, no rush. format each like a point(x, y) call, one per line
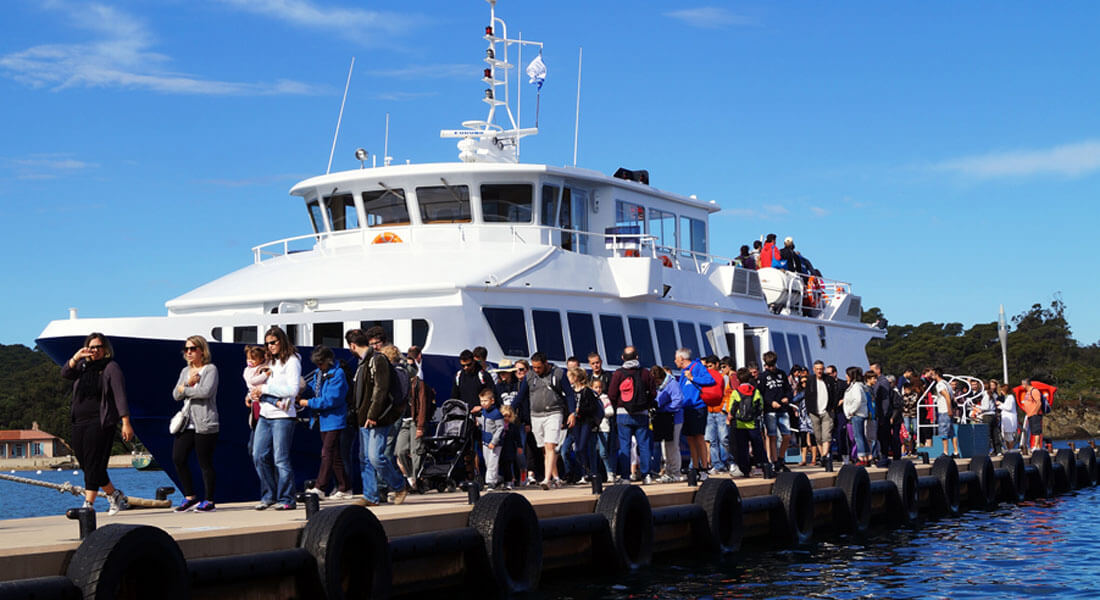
point(583, 333)
point(506, 203)
point(444, 203)
point(509, 328)
point(666, 339)
point(548, 336)
point(614, 338)
point(642, 340)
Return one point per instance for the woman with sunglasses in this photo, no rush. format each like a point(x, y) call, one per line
point(98, 405)
point(275, 429)
point(198, 389)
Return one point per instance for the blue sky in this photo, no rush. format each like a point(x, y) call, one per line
point(942, 157)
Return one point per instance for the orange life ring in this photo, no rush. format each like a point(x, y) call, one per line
point(386, 237)
point(666, 261)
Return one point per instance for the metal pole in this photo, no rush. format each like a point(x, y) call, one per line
point(577, 122)
point(340, 117)
point(1002, 332)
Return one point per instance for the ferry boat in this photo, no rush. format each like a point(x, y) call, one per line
point(484, 251)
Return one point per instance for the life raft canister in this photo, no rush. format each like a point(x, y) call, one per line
point(387, 237)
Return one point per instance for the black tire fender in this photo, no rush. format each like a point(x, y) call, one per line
point(986, 494)
point(903, 474)
point(142, 559)
point(513, 541)
point(1087, 473)
point(1068, 460)
point(1045, 476)
point(630, 524)
point(796, 496)
point(352, 552)
point(946, 473)
point(1014, 489)
point(721, 501)
point(855, 483)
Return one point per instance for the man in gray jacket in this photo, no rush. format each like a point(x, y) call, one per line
point(543, 388)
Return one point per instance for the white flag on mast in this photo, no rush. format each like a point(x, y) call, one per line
point(537, 71)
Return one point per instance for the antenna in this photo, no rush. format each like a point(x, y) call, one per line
point(386, 158)
point(340, 118)
point(577, 122)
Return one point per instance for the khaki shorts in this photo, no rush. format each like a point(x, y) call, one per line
point(547, 429)
point(823, 427)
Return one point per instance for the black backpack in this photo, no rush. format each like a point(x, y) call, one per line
point(746, 410)
point(398, 394)
point(633, 393)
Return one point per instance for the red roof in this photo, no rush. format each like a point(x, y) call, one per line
point(12, 435)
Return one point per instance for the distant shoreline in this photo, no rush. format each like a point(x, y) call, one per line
point(53, 463)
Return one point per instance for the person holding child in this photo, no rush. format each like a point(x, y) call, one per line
point(275, 429)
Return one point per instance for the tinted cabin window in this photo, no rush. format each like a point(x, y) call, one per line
point(806, 350)
point(342, 212)
point(666, 339)
point(628, 213)
point(292, 332)
point(794, 345)
point(509, 328)
point(385, 207)
point(706, 340)
point(779, 346)
point(444, 204)
point(328, 334)
point(549, 205)
point(614, 338)
point(315, 216)
point(642, 340)
point(386, 324)
point(506, 203)
point(582, 331)
point(548, 337)
point(245, 335)
point(420, 331)
point(687, 337)
point(216, 333)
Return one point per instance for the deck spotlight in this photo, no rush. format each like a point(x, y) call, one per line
point(361, 156)
point(311, 303)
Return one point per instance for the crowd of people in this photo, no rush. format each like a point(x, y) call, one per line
point(537, 423)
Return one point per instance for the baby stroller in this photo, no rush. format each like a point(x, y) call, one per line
point(449, 454)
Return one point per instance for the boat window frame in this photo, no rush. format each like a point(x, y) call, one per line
point(530, 207)
point(449, 189)
point(385, 191)
point(589, 322)
point(616, 323)
point(331, 216)
point(510, 330)
point(651, 346)
point(683, 327)
point(661, 350)
point(315, 207)
point(686, 234)
point(559, 338)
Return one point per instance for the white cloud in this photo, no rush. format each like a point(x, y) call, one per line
point(120, 57)
point(818, 211)
point(430, 72)
point(1071, 160)
point(365, 26)
point(48, 166)
point(710, 17)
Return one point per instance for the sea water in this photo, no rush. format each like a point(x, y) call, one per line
point(19, 500)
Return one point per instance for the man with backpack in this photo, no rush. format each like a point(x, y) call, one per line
point(377, 409)
point(470, 380)
point(632, 393)
point(743, 411)
point(542, 390)
point(693, 378)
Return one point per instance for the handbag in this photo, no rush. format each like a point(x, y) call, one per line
point(180, 420)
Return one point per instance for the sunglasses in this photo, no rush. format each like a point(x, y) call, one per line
point(190, 348)
point(272, 343)
point(521, 370)
point(94, 348)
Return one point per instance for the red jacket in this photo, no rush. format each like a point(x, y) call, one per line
point(767, 254)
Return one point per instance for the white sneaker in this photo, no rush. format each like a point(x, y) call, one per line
point(648, 480)
point(412, 481)
point(87, 505)
point(320, 494)
point(545, 484)
point(736, 472)
point(117, 502)
point(713, 471)
point(703, 475)
point(338, 495)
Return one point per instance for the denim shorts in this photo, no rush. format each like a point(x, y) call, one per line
point(946, 426)
point(777, 423)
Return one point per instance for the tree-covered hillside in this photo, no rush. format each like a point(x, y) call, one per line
point(31, 389)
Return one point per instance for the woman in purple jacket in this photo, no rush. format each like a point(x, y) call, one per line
point(98, 405)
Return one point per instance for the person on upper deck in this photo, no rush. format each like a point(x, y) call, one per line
point(746, 259)
point(757, 245)
point(768, 254)
point(794, 259)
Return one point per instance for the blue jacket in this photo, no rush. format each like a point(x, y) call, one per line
point(492, 426)
point(671, 400)
point(327, 397)
point(690, 388)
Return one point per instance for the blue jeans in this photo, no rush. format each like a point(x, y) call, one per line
point(271, 457)
point(605, 442)
point(911, 426)
point(858, 424)
point(718, 436)
point(374, 462)
point(636, 426)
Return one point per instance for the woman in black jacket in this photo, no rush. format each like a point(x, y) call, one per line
point(98, 405)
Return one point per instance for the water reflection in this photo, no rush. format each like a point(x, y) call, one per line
point(1038, 548)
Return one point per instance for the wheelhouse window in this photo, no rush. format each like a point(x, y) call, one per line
point(385, 207)
point(342, 213)
point(509, 328)
point(510, 203)
point(694, 235)
point(614, 338)
point(574, 216)
point(318, 221)
point(444, 203)
point(549, 214)
point(642, 340)
point(662, 226)
point(629, 214)
point(548, 338)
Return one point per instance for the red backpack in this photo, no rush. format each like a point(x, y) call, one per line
point(712, 395)
point(633, 395)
